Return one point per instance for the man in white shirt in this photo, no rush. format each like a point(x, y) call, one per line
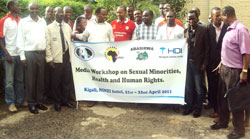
point(170, 30)
point(31, 43)
point(14, 87)
point(98, 31)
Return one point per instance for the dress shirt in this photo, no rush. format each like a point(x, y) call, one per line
point(10, 35)
point(144, 32)
point(165, 32)
point(236, 42)
point(97, 32)
point(218, 31)
point(31, 35)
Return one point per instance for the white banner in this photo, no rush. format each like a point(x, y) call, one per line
point(130, 71)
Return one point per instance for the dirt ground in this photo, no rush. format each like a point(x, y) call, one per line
point(123, 121)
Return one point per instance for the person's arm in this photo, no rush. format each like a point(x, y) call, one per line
point(20, 44)
point(49, 57)
point(111, 35)
point(7, 55)
point(243, 74)
point(205, 61)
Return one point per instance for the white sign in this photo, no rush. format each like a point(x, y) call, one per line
point(130, 71)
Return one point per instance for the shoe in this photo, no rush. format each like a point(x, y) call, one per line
point(33, 109)
point(41, 107)
point(69, 105)
point(218, 126)
point(91, 103)
point(57, 107)
point(217, 120)
point(187, 112)
point(108, 104)
point(235, 135)
point(197, 114)
point(12, 108)
point(213, 115)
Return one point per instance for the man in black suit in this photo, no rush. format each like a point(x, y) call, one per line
point(216, 31)
point(197, 40)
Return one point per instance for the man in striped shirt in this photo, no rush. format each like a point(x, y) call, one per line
point(147, 30)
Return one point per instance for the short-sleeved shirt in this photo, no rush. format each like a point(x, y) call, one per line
point(236, 42)
point(123, 30)
point(166, 33)
point(144, 32)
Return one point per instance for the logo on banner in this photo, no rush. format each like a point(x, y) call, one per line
point(142, 56)
point(84, 53)
point(112, 54)
point(171, 52)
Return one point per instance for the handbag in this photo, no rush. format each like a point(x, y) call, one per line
point(238, 98)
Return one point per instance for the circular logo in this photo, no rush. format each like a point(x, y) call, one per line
point(112, 54)
point(84, 53)
point(127, 27)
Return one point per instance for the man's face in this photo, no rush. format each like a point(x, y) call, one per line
point(101, 17)
point(130, 11)
point(88, 13)
point(161, 7)
point(225, 18)
point(120, 13)
point(49, 13)
point(170, 17)
point(147, 18)
point(82, 25)
point(59, 15)
point(167, 7)
point(192, 19)
point(33, 9)
point(216, 17)
point(68, 13)
point(16, 8)
point(138, 15)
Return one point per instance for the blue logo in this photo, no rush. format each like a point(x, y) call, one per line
point(84, 53)
point(171, 50)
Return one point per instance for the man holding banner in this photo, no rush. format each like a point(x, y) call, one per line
point(104, 34)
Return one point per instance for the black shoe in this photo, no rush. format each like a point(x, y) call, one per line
point(235, 135)
point(197, 114)
point(41, 107)
point(218, 126)
point(187, 112)
point(57, 107)
point(69, 105)
point(33, 109)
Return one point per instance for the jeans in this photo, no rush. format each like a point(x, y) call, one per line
point(194, 91)
point(14, 85)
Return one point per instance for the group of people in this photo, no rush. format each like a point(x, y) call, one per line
point(37, 54)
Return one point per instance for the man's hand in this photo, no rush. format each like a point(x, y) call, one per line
point(8, 58)
point(24, 63)
point(52, 65)
point(217, 69)
point(203, 67)
point(243, 77)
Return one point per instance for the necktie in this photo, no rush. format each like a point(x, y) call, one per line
point(62, 38)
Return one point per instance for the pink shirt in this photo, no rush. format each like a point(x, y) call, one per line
point(236, 42)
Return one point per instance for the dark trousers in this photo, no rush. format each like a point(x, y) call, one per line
point(213, 80)
point(229, 78)
point(194, 91)
point(34, 76)
point(61, 80)
point(47, 82)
